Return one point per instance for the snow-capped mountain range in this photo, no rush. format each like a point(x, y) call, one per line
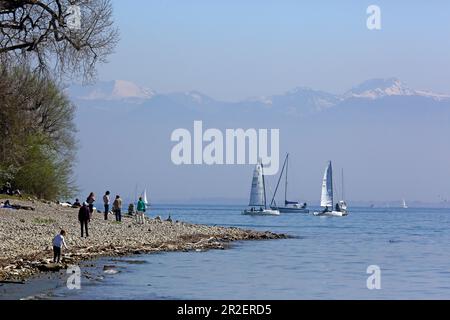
point(111, 90)
point(379, 88)
point(379, 130)
point(300, 100)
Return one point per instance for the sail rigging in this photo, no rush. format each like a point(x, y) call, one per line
point(405, 206)
point(279, 181)
point(284, 170)
point(144, 197)
point(327, 198)
point(327, 187)
point(257, 197)
point(286, 183)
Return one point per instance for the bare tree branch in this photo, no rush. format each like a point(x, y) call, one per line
point(38, 33)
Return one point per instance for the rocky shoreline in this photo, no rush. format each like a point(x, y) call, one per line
point(26, 238)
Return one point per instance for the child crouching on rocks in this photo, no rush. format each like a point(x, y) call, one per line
point(58, 243)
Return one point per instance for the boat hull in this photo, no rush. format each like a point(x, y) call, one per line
point(331, 214)
point(266, 212)
point(290, 210)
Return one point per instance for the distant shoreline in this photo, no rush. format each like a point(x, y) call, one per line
point(26, 238)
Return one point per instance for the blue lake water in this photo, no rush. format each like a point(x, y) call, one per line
point(328, 259)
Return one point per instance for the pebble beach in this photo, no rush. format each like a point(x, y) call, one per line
point(26, 238)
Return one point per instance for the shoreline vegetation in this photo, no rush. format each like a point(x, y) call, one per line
point(26, 238)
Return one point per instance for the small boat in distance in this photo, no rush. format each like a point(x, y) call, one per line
point(144, 198)
point(327, 199)
point(404, 205)
point(258, 202)
point(289, 206)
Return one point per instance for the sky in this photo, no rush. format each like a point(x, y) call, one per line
point(232, 50)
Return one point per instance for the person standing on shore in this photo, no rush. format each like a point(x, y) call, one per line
point(84, 216)
point(140, 211)
point(7, 189)
point(76, 204)
point(90, 200)
point(106, 201)
point(117, 208)
point(58, 243)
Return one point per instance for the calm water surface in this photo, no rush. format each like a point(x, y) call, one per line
point(328, 259)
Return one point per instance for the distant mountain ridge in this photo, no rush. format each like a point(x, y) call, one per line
point(391, 140)
point(299, 101)
point(111, 90)
point(379, 88)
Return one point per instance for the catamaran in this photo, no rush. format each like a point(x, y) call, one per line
point(258, 202)
point(289, 206)
point(327, 197)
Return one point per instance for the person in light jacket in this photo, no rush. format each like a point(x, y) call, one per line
point(117, 208)
point(58, 243)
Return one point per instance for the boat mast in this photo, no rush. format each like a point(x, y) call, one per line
point(332, 185)
point(279, 181)
point(286, 184)
point(264, 186)
point(343, 186)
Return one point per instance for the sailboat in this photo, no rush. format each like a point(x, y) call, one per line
point(258, 203)
point(327, 199)
point(144, 198)
point(289, 206)
point(404, 206)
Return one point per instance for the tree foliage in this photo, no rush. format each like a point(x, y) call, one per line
point(40, 45)
point(37, 134)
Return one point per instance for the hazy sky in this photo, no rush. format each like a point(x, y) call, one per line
point(237, 49)
point(232, 50)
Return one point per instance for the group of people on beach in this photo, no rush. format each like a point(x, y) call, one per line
point(86, 210)
point(9, 190)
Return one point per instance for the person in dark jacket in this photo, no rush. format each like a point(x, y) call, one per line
point(76, 204)
point(84, 216)
point(106, 201)
point(338, 207)
point(7, 189)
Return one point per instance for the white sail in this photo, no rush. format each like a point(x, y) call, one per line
point(327, 187)
point(257, 192)
point(144, 197)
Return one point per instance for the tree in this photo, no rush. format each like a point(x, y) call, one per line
point(41, 43)
point(37, 134)
point(40, 175)
point(66, 36)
